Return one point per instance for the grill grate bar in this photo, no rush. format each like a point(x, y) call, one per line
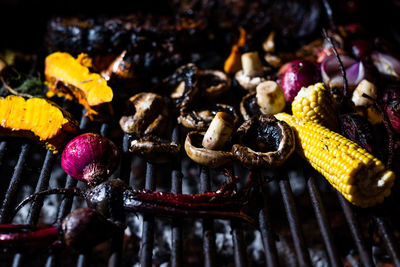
point(83, 260)
point(146, 250)
point(322, 220)
point(36, 206)
point(176, 188)
point(237, 240)
point(208, 231)
point(390, 242)
point(294, 222)
point(267, 234)
point(3, 147)
point(66, 203)
point(42, 184)
point(355, 231)
point(12, 190)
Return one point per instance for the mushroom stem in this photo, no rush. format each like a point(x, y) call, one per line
point(219, 131)
point(270, 97)
point(251, 64)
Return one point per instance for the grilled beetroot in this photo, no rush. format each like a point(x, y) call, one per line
point(82, 229)
point(359, 130)
point(90, 158)
point(393, 112)
point(295, 75)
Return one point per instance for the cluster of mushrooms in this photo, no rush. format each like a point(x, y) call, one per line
point(215, 138)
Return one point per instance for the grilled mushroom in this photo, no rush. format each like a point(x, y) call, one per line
point(268, 99)
point(148, 114)
point(213, 83)
point(217, 135)
point(253, 71)
point(201, 118)
point(264, 141)
point(155, 149)
point(182, 85)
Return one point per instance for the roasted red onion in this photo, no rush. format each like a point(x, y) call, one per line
point(386, 64)
point(297, 74)
point(355, 71)
point(361, 48)
point(90, 158)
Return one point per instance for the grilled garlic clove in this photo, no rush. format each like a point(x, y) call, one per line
point(251, 64)
point(364, 87)
point(270, 97)
point(219, 131)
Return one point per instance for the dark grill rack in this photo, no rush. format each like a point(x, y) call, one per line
point(265, 219)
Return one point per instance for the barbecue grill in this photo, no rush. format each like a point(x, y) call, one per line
point(302, 220)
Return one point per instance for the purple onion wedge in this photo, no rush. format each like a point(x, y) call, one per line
point(90, 157)
point(386, 64)
point(355, 71)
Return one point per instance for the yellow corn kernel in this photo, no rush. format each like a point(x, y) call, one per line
point(316, 104)
point(360, 177)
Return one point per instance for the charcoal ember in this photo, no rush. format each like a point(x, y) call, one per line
point(155, 45)
point(68, 35)
point(359, 130)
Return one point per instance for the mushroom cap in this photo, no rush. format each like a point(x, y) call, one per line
point(155, 149)
point(249, 106)
point(147, 114)
point(186, 78)
point(273, 137)
point(213, 83)
point(204, 156)
point(250, 83)
point(200, 119)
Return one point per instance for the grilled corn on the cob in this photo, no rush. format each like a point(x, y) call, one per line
point(360, 177)
point(314, 103)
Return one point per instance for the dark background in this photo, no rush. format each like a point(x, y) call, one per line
point(23, 22)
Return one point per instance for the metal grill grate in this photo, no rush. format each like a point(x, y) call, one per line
point(266, 219)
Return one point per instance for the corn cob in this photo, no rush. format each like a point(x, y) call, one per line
point(314, 103)
point(360, 177)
